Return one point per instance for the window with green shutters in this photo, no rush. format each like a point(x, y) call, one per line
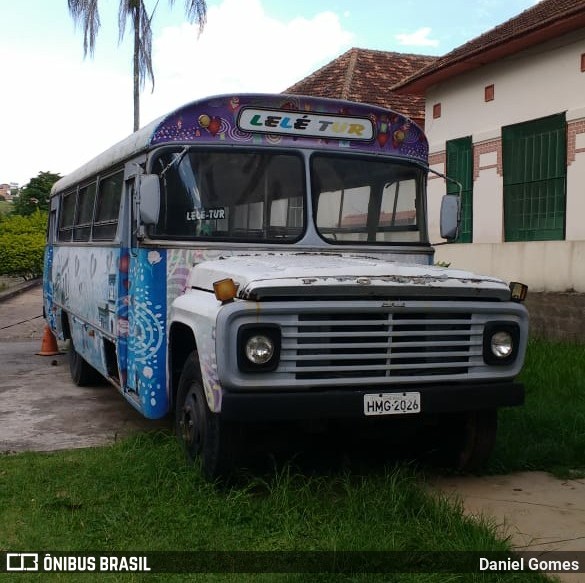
point(535, 177)
point(460, 168)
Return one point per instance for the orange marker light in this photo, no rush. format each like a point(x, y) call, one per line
point(518, 291)
point(225, 289)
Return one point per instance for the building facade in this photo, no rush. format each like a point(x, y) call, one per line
point(505, 116)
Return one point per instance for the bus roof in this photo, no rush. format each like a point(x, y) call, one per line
point(262, 119)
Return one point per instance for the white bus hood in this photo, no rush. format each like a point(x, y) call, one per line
point(309, 275)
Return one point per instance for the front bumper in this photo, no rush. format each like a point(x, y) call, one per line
point(337, 403)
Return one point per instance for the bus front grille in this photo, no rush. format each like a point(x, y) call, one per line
point(380, 345)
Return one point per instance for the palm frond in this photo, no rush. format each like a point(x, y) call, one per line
point(196, 11)
point(145, 47)
point(86, 14)
point(127, 10)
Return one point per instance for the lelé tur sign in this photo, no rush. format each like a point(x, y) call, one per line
point(315, 125)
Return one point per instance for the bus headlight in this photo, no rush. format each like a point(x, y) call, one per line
point(500, 342)
point(258, 347)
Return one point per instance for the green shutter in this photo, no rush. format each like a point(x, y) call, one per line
point(460, 168)
point(535, 177)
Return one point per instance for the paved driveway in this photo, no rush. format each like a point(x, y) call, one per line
point(40, 408)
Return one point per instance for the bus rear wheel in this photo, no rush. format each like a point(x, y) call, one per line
point(82, 373)
point(206, 438)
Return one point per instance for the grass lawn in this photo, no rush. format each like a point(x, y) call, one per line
point(548, 432)
point(139, 495)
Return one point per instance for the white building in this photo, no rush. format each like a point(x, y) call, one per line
point(505, 115)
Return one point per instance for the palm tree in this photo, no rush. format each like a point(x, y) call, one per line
point(85, 13)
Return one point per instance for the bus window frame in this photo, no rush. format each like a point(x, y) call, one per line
point(66, 233)
point(86, 226)
point(69, 228)
point(421, 204)
point(97, 224)
point(179, 148)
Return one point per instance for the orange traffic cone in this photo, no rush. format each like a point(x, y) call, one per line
point(49, 345)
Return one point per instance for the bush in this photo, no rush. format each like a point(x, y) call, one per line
point(22, 245)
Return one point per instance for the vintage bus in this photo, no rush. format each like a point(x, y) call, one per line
point(262, 258)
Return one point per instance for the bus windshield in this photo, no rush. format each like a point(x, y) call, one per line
point(258, 195)
point(231, 195)
point(367, 200)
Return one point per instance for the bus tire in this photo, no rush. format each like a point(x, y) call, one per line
point(82, 373)
point(469, 439)
point(481, 428)
point(206, 438)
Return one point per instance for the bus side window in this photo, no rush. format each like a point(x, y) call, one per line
point(84, 214)
point(108, 207)
point(66, 216)
point(52, 223)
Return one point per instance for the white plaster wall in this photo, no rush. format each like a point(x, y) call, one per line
point(488, 207)
point(575, 221)
point(529, 85)
point(542, 81)
point(543, 265)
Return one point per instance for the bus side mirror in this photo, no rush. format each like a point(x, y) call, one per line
point(450, 209)
point(149, 199)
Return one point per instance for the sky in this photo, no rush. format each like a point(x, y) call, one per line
point(58, 109)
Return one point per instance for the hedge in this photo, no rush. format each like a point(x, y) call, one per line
point(22, 245)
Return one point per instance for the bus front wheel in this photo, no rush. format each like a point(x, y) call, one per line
point(479, 430)
point(205, 437)
point(467, 439)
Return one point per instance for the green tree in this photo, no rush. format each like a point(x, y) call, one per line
point(85, 12)
point(35, 195)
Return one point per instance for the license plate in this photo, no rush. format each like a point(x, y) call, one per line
point(391, 403)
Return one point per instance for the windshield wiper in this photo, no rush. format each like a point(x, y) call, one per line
point(176, 160)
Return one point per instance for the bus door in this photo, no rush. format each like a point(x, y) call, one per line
point(143, 318)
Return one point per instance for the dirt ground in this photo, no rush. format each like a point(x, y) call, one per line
point(41, 410)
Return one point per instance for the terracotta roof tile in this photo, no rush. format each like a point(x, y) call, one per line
point(366, 76)
point(543, 21)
